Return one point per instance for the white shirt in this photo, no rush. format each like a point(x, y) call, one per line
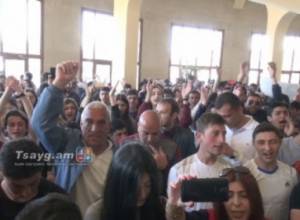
point(275, 188)
point(241, 140)
point(194, 167)
point(90, 184)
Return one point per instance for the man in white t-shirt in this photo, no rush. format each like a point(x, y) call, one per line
point(206, 163)
point(275, 179)
point(239, 127)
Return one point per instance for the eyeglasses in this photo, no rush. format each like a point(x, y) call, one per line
point(236, 170)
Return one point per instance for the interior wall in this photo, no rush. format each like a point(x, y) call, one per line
point(238, 25)
point(62, 21)
point(294, 28)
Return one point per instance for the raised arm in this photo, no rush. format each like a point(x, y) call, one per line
point(50, 106)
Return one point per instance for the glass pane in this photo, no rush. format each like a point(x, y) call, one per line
point(213, 74)
point(296, 65)
point(254, 60)
point(287, 53)
point(258, 51)
point(14, 67)
point(87, 71)
point(174, 74)
point(88, 35)
point(103, 73)
point(104, 36)
point(203, 75)
point(196, 47)
point(253, 77)
point(284, 78)
point(34, 27)
point(1, 64)
point(14, 26)
point(35, 68)
point(295, 78)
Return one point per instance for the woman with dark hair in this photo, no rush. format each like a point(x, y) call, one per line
point(120, 110)
point(244, 203)
point(131, 191)
point(245, 200)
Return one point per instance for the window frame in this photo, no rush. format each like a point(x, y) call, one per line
point(194, 67)
point(291, 71)
point(260, 68)
point(94, 61)
point(25, 57)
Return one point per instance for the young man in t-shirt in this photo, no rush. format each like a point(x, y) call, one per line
point(206, 163)
point(275, 179)
point(21, 180)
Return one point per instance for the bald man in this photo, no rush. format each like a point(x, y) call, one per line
point(164, 150)
point(82, 157)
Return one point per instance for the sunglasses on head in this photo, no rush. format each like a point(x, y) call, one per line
point(236, 170)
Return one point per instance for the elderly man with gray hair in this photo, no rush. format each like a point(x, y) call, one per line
point(82, 157)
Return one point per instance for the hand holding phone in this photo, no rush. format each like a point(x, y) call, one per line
point(205, 190)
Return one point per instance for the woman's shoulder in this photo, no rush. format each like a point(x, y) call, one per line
point(94, 210)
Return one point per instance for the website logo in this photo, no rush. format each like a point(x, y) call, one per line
point(84, 155)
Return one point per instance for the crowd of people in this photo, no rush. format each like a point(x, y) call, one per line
point(74, 150)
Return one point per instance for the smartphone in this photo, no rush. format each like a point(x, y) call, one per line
point(205, 190)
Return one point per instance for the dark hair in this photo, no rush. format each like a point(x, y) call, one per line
point(71, 101)
point(227, 98)
point(250, 185)
point(129, 164)
point(132, 92)
point(117, 124)
point(172, 103)
point(105, 89)
point(266, 127)
point(295, 105)
point(194, 92)
point(209, 119)
point(53, 206)
point(16, 113)
point(16, 161)
point(274, 105)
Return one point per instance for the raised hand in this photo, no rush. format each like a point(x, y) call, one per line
point(160, 158)
point(186, 89)
point(11, 84)
point(65, 73)
point(272, 69)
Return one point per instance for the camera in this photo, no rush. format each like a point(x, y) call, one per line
point(205, 190)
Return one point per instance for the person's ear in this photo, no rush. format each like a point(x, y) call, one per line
point(269, 118)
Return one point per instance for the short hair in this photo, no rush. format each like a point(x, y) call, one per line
point(105, 89)
point(16, 113)
point(208, 119)
point(172, 103)
point(71, 101)
point(266, 127)
point(117, 124)
point(227, 98)
point(274, 105)
point(194, 92)
point(96, 105)
point(254, 94)
point(53, 206)
point(132, 92)
point(16, 161)
point(295, 105)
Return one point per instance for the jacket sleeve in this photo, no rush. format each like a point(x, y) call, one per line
point(44, 120)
